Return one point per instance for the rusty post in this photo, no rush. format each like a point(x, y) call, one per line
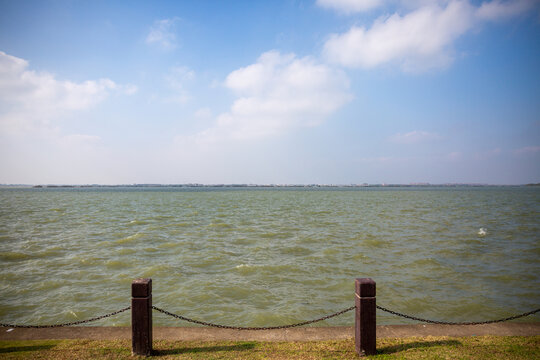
point(141, 317)
point(365, 317)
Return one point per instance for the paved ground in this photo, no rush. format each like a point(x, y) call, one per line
point(295, 334)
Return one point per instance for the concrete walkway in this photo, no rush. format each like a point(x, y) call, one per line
point(294, 334)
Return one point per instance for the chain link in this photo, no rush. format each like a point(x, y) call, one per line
point(272, 327)
point(66, 324)
point(457, 323)
point(252, 328)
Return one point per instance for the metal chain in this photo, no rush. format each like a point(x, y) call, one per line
point(66, 324)
point(457, 323)
point(252, 328)
point(272, 327)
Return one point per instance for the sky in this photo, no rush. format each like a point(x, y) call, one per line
point(270, 92)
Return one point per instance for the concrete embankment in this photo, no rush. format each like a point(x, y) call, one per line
point(295, 334)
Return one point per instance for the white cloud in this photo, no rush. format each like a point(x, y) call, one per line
point(415, 4)
point(278, 93)
point(162, 34)
point(413, 137)
point(503, 10)
point(419, 40)
point(30, 100)
point(32, 107)
point(350, 6)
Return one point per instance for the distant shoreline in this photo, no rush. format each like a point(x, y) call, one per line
point(365, 185)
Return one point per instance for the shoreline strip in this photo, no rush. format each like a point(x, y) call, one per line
point(296, 334)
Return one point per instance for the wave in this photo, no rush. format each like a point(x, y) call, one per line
point(130, 238)
point(15, 256)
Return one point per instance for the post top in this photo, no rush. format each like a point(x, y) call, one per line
point(141, 288)
point(365, 287)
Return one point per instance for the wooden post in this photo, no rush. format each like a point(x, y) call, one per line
point(365, 318)
point(141, 317)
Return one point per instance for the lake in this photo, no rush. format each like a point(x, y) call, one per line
point(269, 256)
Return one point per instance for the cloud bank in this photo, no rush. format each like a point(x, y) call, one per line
point(30, 100)
point(420, 40)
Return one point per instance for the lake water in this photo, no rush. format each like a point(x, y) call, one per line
point(262, 257)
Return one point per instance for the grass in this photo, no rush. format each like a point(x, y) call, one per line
point(481, 347)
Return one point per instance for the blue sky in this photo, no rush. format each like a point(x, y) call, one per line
point(321, 91)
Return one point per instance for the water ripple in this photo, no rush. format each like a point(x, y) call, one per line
point(269, 257)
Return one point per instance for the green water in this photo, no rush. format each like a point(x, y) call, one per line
point(261, 257)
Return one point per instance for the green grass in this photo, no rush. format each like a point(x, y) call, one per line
point(481, 347)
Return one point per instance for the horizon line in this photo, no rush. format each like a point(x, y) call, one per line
point(417, 184)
